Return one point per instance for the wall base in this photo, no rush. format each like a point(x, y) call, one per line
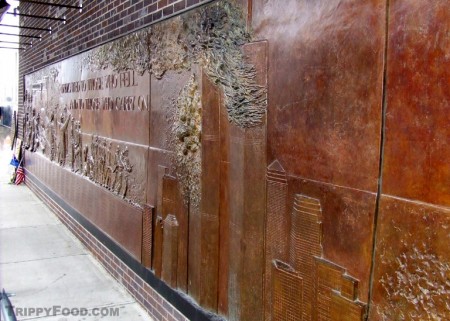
point(160, 301)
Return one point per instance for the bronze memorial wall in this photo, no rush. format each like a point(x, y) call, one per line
point(274, 160)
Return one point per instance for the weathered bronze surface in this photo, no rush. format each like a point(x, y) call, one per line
point(147, 235)
point(175, 216)
point(287, 298)
point(309, 247)
point(170, 251)
point(236, 150)
point(80, 109)
point(416, 164)
point(324, 123)
point(247, 159)
point(210, 201)
point(324, 87)
point(412, 266)
point(120, 220)
point(412, 262)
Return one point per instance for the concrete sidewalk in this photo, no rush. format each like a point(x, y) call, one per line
point(46, 267)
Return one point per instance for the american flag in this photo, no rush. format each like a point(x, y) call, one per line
point(20, 175)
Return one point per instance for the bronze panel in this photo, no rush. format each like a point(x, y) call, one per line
point(158, 221)
point(173, 204)
point(170, 251)
point(120, 168)
point(325, 87)
point(110, 213)
point(412, 264)
point(224, 212)
point(336, 294)
point(164, 93)
point(182, 214)
point(247, 208)
point(183, 245)
point(418, 102)
point(147, 235)
point(73, 111)
point(343, 309)
point(306, 224)
point(277, 224)
point(305, 246)
point(325, 98)
point(156, 158)
point(194, 263)
point(347, 217)
point(287, 298)
point(130, 89)
point(118, 219)
point(291, 240)
point(210, 189)
point(121, 125)
point(224, 241)
point(195, 231)
point(108, 103)
point(236, 244)
point(157, 245)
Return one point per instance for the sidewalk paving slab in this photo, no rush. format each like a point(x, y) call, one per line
point(41, 242)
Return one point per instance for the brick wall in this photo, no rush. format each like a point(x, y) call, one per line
point(99, 22)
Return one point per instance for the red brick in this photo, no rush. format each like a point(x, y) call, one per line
point(162, 3)
point(167, 11)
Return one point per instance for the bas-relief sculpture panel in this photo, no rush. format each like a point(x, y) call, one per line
point(324, 123)
point(171, 121)
point(418, 99)
point(412, 265)
point(325, 87)
point(75, 131)
point(70, 113)
point(412, 262)
point(145, 119)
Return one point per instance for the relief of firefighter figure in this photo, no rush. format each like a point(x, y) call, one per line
point(27, 130)
point(88, 163)
point(103, 166)
point(108, 167)
point(101, 157)
point(76, 160)
point(121, 172)
point(32, 129)
point(61, 136)
point(47, 136)
point(90, 159)
point(115, 160)
point(35, 124)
